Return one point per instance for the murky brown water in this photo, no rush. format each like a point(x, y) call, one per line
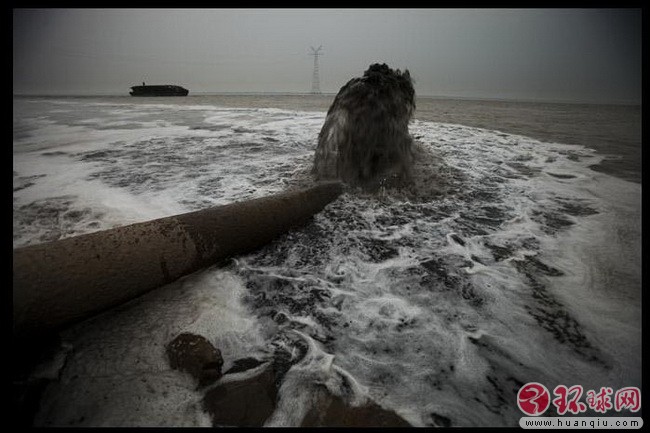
point(529, 268)
point(613, 130)
point(609, 129)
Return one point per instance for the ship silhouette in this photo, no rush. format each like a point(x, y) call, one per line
point(158, 90)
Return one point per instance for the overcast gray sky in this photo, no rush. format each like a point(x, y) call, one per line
point(591, 55)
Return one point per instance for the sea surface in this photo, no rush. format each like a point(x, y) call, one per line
point(517, 259)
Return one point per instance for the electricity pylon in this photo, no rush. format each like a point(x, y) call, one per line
point(315, 81)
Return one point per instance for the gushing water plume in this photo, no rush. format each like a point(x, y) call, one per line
point(365, 139)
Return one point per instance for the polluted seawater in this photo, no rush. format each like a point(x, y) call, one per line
point(507, 261)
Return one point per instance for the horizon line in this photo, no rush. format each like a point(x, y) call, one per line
point(288, 93)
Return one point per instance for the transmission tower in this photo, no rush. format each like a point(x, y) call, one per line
point(315, 81)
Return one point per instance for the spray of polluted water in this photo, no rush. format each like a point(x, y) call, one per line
point(365, 139)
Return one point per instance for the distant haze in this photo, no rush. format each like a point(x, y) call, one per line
point(574, 55)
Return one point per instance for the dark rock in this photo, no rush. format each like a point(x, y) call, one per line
point(197, 356)
point(245, 403)
point(251, 401)
point(440, 420)
point(334, 412)
point(243, 365)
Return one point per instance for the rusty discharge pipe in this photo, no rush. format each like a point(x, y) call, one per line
point(61, 282)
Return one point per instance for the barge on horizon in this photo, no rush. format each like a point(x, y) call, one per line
point(158, 90)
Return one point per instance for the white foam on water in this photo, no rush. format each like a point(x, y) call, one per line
point(117, 373)
point(602, 282)
point(114, 176)
point(302, 387)
point(489, 309)
point(524, 267)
